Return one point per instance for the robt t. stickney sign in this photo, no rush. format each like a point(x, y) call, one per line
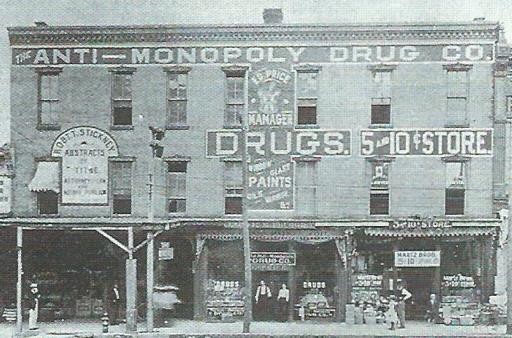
point(417, 258)
point(427, 142)
point(84, 152)
point(277, 55)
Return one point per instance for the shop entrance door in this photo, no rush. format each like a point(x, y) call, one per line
point(419, 282)
point(267, 310)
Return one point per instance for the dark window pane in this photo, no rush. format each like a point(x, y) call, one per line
point(122, 205)
point(233, 205)
point(177, 166)
point(122, 116)
point(454, 201)
point(381, 113)
point(379, 204)
point(306, 115)
point(48, 203)
point(177, 205)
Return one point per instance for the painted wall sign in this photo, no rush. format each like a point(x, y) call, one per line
point(417, 258)
point(267, 261)
point(312, 142)
point(277, 55)
point(419, 224)
point(5, 194)
point(428, 142)
point(84, 152)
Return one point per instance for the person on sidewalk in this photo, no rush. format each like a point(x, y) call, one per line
point(433, 309)
point(391, 312)
point(115, 300)
point(33, 312)
point(262, 297)
point(403, 295)
point(283, 298)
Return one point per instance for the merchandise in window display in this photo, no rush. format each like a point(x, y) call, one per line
point(366, 288)
point(224, 300)
point(459, 304)
point(314, 303)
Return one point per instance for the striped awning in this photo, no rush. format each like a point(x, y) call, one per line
point(46, 177)
point(444, 232)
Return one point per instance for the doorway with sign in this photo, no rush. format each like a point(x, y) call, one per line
point(267, 309)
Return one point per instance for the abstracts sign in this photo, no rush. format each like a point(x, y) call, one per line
point(417, 258)
point(254, 55)
point(427, 142)
point(84, 152)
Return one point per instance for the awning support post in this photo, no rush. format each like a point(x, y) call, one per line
point(149, 281)
point(131, 286)
point(19, 246)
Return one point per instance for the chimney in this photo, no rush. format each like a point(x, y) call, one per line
point(273, 16)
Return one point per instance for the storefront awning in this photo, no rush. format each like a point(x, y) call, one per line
point(46, 177)
point(446, 232)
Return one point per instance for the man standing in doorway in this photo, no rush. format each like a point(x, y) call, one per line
point(403, 295)
point(115, 299)
point(263, 295)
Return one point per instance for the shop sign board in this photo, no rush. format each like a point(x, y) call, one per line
point(84, 152)
point(419, 224)
point(254, 55)
point(427, 142)
point(272, 261)
point(5, 194)
point(417, 258)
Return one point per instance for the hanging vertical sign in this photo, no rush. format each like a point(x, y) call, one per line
point(84, 152)
point(270, 176)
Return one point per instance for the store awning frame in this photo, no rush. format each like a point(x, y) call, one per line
point(446, 232)
point(46, 177)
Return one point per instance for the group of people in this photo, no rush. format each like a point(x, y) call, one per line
point(264, 302)
point(394, 307)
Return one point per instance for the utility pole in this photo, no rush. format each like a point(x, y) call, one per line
point(245, 232)
point(508, 244)
point(157, 135)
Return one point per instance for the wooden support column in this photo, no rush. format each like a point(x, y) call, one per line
point(341, 280)
point(131, 286)
point(292, 283)
point(487, 263)
point(436, 285)
point(19, 317)
point(200, 283)
point(150, 281)
point(348, 275)
point(396, 247)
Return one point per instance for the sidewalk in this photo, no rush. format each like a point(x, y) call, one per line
point(189, 328)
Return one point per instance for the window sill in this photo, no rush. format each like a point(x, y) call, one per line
point(121, 215)
point(232, 126)
point(380, 125)
point(177, 127)
point(48, 127)
point(307, 126)
point(176, 214)
point(48, 215)
point(127, 127)
point(457, 125)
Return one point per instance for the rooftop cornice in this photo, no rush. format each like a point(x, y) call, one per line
point(190, 33)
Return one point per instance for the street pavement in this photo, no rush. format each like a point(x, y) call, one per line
point(188, 328)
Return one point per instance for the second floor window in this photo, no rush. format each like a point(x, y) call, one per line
point(306, 187)
point(455, 188)
point(177, 186)
point(379, 188)
point(177, 87)
point(48, 97)
point(233, 187)
point(48, 203)
point(307, 97)
point(121, 175)
point(121, 98)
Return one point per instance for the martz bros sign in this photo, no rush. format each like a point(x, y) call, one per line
point(277, 55)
